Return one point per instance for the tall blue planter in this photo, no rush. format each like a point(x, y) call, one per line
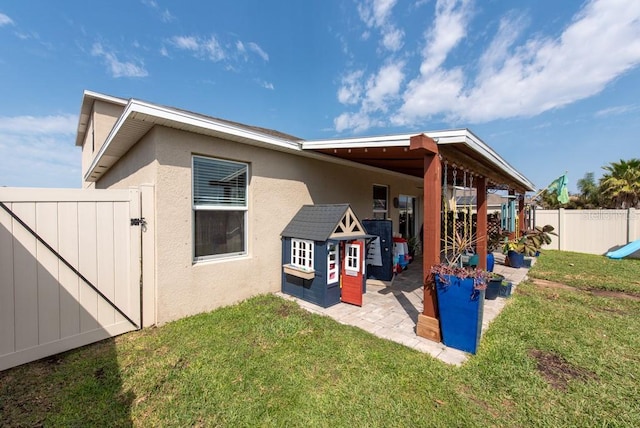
point(460, 307)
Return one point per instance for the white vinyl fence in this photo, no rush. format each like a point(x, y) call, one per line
point(590, 231)
point(70, 269)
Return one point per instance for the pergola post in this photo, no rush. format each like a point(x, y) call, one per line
point(521, 224)
point(428, 323)
point(481, 222)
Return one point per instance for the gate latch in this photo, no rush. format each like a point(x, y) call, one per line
point(138, 222)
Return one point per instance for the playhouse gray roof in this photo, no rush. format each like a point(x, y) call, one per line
point(315, 222)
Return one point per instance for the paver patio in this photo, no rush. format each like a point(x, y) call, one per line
point(391, 311)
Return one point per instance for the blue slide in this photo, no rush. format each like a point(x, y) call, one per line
point(630, 248)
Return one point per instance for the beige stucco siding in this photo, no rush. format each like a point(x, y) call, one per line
point(279, 185)
point(137, 166)
point(103, 118)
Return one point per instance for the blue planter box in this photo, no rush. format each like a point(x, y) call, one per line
point(460, 307)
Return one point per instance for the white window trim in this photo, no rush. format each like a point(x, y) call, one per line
point(349, 258)
point(194, 208)
point(386, 210)
point(336, 270)
point(305, 261)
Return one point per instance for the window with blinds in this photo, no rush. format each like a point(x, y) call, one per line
point(219, 207)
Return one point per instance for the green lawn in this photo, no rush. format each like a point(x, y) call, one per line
point(552, 358)
point(589, 272)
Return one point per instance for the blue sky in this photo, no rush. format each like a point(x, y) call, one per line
point(552, 86)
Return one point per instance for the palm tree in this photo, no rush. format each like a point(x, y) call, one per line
point(589, 191)
point(620, 185)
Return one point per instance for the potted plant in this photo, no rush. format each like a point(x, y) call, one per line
point(494, 282)
point(460, 295)
point(514, 250)
point(529, 244)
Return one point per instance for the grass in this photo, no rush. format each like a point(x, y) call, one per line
point(552, 358)
point(586, 271)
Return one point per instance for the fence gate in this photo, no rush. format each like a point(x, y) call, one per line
point(70, 270)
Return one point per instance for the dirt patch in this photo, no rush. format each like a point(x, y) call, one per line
point(557, 371)
point(600, 293)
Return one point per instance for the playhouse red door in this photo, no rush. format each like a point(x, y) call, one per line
point(351, 272)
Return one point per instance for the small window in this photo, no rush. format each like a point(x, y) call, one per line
point(333, 264)
point(352, 259)
point(380, 201)
point(302, 254)
point(219, 208)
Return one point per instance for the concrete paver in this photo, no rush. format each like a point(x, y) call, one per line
point(390, 311)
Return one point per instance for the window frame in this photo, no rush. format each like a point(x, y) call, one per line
point(378, 211)
point(244, 208)
point(308, 258)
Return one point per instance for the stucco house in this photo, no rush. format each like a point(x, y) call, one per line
point(223, 191)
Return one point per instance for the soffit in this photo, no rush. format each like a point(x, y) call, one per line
point(459, 155)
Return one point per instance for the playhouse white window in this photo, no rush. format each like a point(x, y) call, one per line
point(352, 259)
point(219, 208)
point(302, 254)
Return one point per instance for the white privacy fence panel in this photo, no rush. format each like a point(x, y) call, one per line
point(45, 307)
point(590, 231)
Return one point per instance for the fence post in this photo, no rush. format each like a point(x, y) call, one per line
point(149, 314)
point(561, 244)
point(632, 229)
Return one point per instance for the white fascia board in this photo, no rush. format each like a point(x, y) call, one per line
point(487, 152)
point(362, 142)
point(103, 97)
point(88, 98)
point(166, 114)
point(210, 124)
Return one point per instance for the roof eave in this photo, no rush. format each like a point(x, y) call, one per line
point(452, 136)
point(88, 98)
point(156, 115)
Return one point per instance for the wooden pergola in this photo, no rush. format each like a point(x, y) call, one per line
point(422, 156)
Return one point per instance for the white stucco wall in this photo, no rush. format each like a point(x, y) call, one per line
point(279, 184)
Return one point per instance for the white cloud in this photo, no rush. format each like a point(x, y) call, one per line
point(383, 87)
point(357, 122)
point(514, 76)
point(351, 90)
point(377, 14)
point(449, 29)
point(186, 42)
point(117, 67)
point(65, 124)
point(165, 15)
point(39, 151)
point(266, 85)
point(258, 50)
point(207, 48)
point(617, 110)
point(5, 20)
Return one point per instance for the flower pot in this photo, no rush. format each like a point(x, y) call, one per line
point(473, 260)
point(491, 261)
point(505, 290)
point(493, 288)
point(460, 307)
point(516, 260)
